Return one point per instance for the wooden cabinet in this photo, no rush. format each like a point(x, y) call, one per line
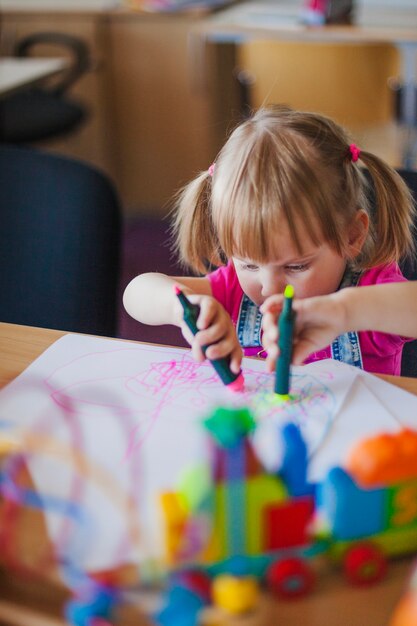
point(158, 114)
point(348, 82)
point(171, 113)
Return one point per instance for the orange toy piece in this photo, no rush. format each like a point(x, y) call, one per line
point(406, 612)
point(385, 459)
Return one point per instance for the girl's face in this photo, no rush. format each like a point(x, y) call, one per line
point(317, 271)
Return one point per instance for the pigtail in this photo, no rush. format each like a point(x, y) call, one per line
point(392, 216)
point(195, 241)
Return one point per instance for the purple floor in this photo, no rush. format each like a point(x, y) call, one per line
point(146, 248)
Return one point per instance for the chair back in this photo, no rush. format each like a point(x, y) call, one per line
point(60, 229)
point(78, 49)
point(47, 111)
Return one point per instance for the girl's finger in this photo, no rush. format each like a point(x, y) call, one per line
point(197, 352)
point(208, 311)
point(273, 304)
point(187, 334)
point(221, 348)
point(236, 359)
point(270, 328)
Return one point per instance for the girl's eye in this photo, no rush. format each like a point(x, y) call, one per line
point(302, 267)
point(250, 267)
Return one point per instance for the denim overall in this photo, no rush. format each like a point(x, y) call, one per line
point(344, 348)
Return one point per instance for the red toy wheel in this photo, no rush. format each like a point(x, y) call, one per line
point(364, 564)
point(290, 578)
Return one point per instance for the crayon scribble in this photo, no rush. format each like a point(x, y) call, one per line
point(177, 389)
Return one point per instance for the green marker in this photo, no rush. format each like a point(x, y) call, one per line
point(286, 331)
point(234, 382)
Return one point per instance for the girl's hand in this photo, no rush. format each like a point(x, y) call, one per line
point(271, 310)
point(318, 321)
point(216, 331)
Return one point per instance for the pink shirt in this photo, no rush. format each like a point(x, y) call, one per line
point(381, 353)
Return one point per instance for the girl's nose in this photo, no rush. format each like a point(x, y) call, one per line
point(272, 284)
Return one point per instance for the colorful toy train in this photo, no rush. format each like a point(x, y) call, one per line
point(235, 519)
point(232, 526)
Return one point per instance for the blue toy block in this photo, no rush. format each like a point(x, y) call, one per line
point(182, 608)
point(294, 465)
point(76, 613)
point(235, 494)
point(352, 512)
point(239, 565)
point(80, 611)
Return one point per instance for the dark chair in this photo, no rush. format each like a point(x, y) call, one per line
point(40, 113)
point(60, 225)
point(409, 269)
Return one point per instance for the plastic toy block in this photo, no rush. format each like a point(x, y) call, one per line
point(82, 612)
point(181, 608)
point(235, 463)
point(174, 507)
point(196, 581)
point(195, 487)
point(261, 491)
point(77, 613)
point(295, 461)
point(216, 547)
point(175, 518)
point(290, 578)
point(227, 426)
point(239, 566)
point(352, 512)
point(235, 498)
point(286, 524)
point(402, 505)
point(385, 459)
point(252, 465)
point(235, 493)
point(235, 594)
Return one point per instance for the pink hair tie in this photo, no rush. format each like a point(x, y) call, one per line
point(211, 169)
point(355, 152)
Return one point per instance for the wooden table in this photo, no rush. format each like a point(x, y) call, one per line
point(16, 73)
point(333, 603)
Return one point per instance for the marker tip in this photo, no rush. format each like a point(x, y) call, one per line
point(238, 384)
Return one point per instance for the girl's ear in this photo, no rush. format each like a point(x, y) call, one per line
point(357, 233)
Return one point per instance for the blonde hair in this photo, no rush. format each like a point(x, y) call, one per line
point(295, 166)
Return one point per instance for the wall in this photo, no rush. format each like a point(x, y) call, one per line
point(346, 82)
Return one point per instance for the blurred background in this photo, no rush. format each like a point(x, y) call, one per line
point(160, 83)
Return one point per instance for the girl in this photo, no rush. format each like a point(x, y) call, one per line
point(285, 202)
